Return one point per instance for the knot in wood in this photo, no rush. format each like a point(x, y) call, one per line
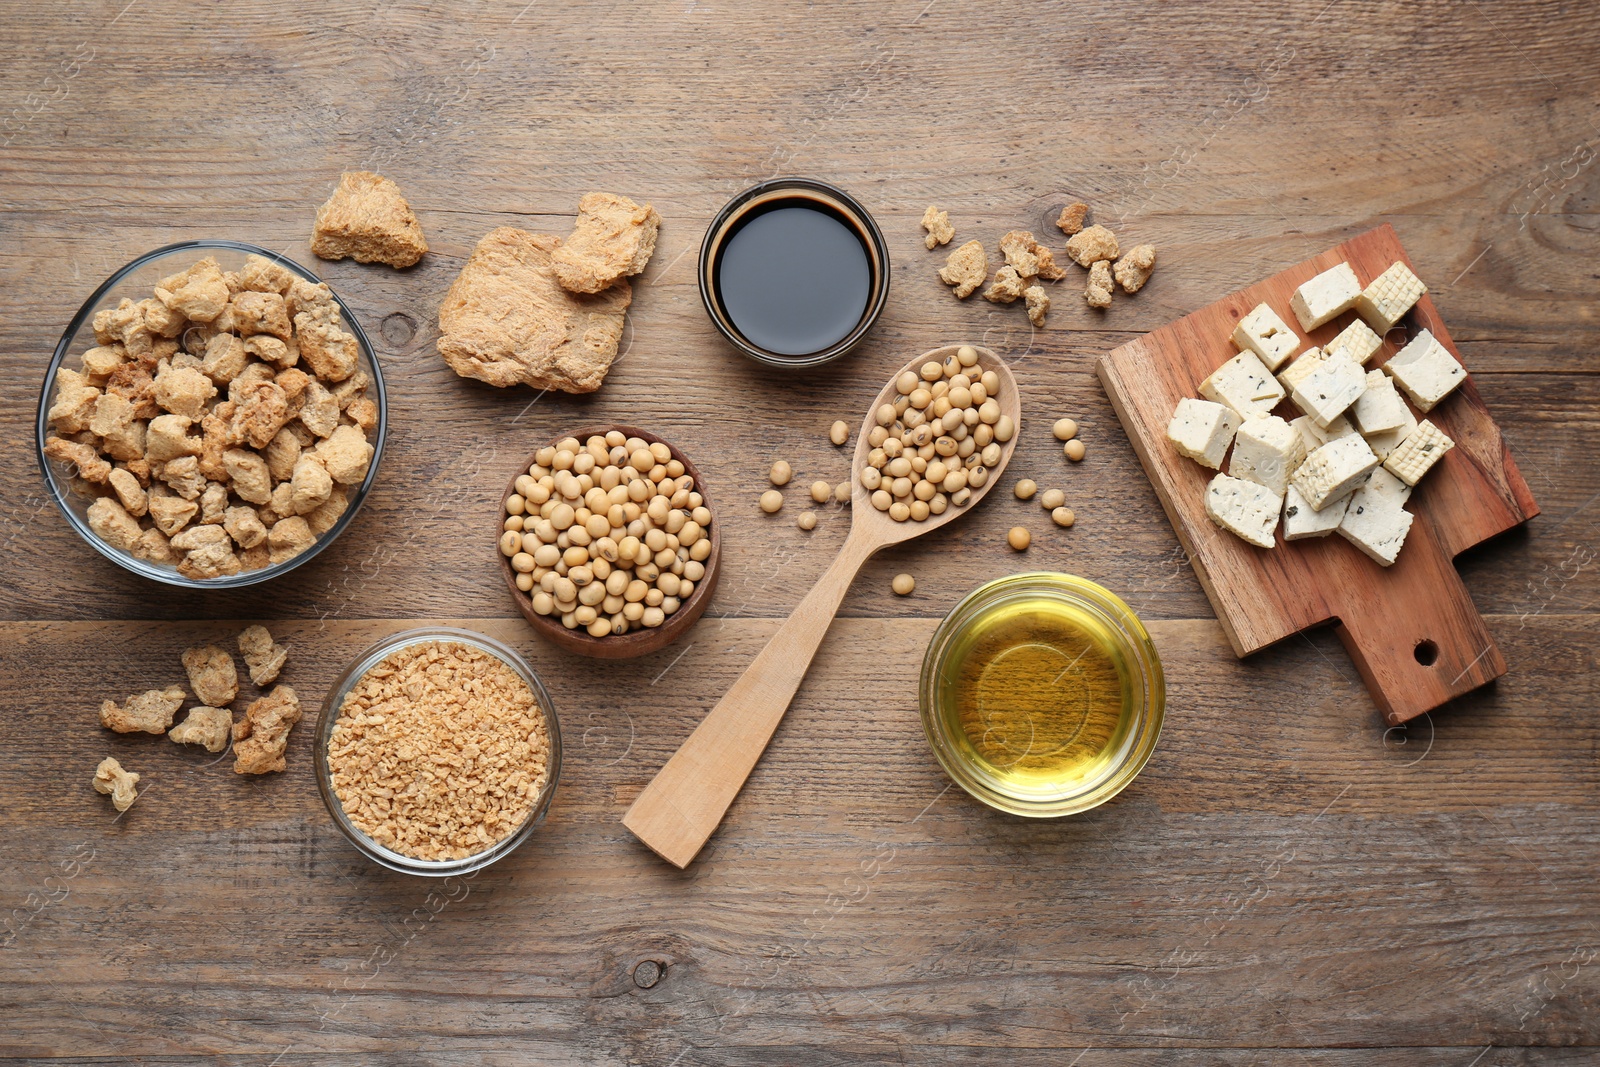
point(648, 972)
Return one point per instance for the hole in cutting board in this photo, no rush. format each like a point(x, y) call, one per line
point(1427, 652)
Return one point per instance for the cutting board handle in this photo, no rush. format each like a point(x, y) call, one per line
point(1425, 643)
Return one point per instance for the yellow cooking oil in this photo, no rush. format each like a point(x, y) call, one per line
point(1035, 697)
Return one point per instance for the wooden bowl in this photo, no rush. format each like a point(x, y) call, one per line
point(635, 642)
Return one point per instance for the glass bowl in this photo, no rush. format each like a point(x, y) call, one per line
point(135, 281)
point(399, 861)
point(818, 196)
point(1042, 694)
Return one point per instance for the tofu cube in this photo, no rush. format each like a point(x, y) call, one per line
point(1301, 368)
point(1244, 509)
point(1417, 454)
point(1269, 337)
point(1316, 436)
point(1426, 370)
point(1375, 523)
point(1358, 340)
point(1243, 384)
point(1266, 451)
point(1331, 293)
point(1300, 520)
point(1391, 294)
point(1202, 430)
point(1383, 486)
point(1334, 470)
point(1380, 407)
point(1383, 444)
point(1327, 392)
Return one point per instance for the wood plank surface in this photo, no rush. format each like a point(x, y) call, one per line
point(1287, 882)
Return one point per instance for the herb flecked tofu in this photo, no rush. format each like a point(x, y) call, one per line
point(1244, 509)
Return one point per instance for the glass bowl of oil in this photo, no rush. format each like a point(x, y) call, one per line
point(1042, 694)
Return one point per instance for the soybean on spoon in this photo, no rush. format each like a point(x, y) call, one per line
point(683, 805)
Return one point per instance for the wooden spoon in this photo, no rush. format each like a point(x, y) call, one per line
point(682, 806)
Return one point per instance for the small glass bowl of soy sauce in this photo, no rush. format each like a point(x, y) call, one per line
point(794, 272)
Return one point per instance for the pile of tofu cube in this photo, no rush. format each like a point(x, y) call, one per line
point(1349, 461)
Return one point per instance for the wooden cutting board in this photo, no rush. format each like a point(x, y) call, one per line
point(1411, 628)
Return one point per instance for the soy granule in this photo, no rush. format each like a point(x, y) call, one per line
point(440, 751)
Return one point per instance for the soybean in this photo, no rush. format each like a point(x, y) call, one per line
point(605, 531)
point(936, 442)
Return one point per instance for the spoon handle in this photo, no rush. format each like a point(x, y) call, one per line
point(682, 806)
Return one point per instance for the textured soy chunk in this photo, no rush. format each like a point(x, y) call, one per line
point(368, 220)
point(613, 238)
point(118, 784)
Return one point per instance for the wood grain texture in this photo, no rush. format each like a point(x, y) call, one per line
point(1287, 882)
point(1265, 595)
point(1314, 883)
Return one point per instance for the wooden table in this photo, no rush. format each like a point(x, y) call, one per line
point(1287, 882)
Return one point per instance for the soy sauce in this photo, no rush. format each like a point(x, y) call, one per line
point(795, 278)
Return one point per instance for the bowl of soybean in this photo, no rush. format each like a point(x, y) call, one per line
point(794, 272)
point(624, 638)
